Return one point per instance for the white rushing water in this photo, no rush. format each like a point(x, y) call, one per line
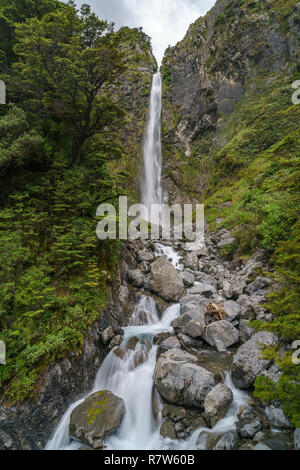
point(130, 376)
point(151, 188)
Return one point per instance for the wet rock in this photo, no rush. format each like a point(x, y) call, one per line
point(166, 282)
point(116, 341)
point(221, 333)
point(130, 345)
point(135, 278)
point(167, 429)
point(227, 441)
point(96, 418)
point(277, 418)
point(203, 289)
point(107, 335)
point(247, 363)
point(188, 278)
point(180, 380)
point(216, 403)
point(247, 428)
point(259, 437)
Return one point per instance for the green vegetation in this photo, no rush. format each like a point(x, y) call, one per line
point(59, 137)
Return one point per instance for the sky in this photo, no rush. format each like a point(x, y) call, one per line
point(165, 21)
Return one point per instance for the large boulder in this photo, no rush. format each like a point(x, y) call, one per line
point(247, 363)
point(96, 418)
point(166, 281)
point(145, 256)
point(188, 278)
point(180, 380)
point(221, 334)
point(192, 322)
point(216, 403)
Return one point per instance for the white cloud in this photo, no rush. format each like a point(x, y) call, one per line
point(165, 21)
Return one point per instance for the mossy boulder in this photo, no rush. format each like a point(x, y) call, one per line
point(97, 417)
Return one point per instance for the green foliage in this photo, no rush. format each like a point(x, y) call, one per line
point(66, 62)
point(19, 145)
point(57, 148)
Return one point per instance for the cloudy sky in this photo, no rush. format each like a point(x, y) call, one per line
point(165, 21)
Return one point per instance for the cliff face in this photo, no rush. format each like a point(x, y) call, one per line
point(133, 91)
point(237, 49)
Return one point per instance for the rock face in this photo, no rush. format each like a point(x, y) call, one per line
point(180, 380)
point(217, 403)
point(247, 363)
point(206, 75)
point(166, 282)
point(97, 418)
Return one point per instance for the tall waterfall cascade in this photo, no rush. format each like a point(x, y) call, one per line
point(151, 187)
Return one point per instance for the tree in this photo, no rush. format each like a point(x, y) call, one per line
point(68, 62)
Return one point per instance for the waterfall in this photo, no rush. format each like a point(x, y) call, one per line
point(151, 188)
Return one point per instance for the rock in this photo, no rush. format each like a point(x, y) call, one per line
point(116, 341)
point(247, 363)
point(136, 278)
point(145, 256)
point(107, 335)
point(166, 281)
point(275, 444)
point(192, 322)
point(180, 381)
point(188, 278)
point(191, 262)
point(259, 436)
point(167, 429)
point(130, 345)
point(261, 446)
point(227, 290)
point(123, 294)
point(216, 403)
point(232, 309)
point(97, 417)
point(190, 342)
point(221, 331)
point(203, 289)
point(297, 439)
point(245, 331)
point(277, 418)
point(259, 284)
point(170, 343)
point(227, 441)
point(246, 307)
point(249, 429)
point(227, 242)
